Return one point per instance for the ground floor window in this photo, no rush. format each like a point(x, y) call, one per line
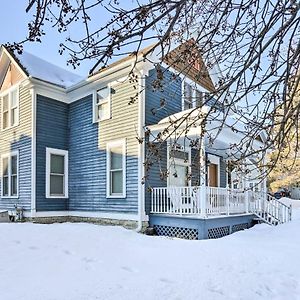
point(116, 169)
point(10, 166)
point(56, 173)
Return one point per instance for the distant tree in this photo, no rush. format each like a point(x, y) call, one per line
point(256, 44)
point(286, 157)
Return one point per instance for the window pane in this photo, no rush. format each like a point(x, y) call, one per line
point(5, 120)
point(5, 103)
point(5, 186)
point(57, 164)
point(116, 158)
point(14, 166)
point(199, 96)
point(14, 116)
point(56, 185)
point(103, 110)
point(102, 94)
point(14, 99)
point(5, 166)
point(117, 182)
point(14, 185)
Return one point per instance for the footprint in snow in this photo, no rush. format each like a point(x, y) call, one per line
point(33, 248)
point(89, 260)
point(129, 269)
point(166, 280)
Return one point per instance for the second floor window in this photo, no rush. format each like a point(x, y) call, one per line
point(192, 97)
point(10, 175)
point(102, 104)
point(10, 109)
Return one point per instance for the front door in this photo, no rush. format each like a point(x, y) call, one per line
point(213, 175)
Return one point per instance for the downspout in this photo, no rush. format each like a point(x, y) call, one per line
point(141, 149)
point(33, 151)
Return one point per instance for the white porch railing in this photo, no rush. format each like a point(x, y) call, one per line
point(218, 201)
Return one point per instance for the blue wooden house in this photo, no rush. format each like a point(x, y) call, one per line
point(69, 150)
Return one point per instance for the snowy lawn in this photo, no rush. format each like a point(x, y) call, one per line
point(82, 261)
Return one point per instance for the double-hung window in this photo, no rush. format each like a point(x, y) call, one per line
point(10, 164)
point(10, 109)
point(56, 173)
point(101, 102)
point(193, 97)
point(116, 169)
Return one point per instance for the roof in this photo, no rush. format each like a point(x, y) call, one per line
point(132, 55)
point(41, 69)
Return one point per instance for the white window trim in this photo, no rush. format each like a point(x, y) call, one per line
point(9, 155)
point(179, 161)
point(95, 120)
point(9, 93)
point(110, 145)
point(64, 153)
point(195, 87)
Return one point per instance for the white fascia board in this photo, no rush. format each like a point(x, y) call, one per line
point(49, 90)
point(111, 76)
point(14, 62)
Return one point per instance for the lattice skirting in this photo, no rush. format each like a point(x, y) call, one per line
point(179, 232)
point(239, 227)
point(218, 232)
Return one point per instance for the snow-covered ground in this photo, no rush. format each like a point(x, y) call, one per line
point(87, 262)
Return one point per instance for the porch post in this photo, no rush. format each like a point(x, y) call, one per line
point(202, 179)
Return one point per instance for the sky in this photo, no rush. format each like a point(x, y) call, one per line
point(13, 24)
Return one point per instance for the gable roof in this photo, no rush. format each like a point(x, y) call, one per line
point(185, 59)
point(39, 68)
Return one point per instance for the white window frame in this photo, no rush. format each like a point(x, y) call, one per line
point(179, 161)
point(10, 108)
point(109, 145)
point(95, 104)
point(9, 156)
point(195, 88)
point(64, 153)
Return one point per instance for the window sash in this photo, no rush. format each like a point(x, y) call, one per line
point(104, 103)
point(56, 176)
point(56, 173)
point(116, 169)
point(113, 186)
point(10, 175)
point(10, 111)
point(193, 97)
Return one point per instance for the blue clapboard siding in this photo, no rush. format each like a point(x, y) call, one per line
point(170, 94)
point(87, 153)
point(51, 131)
point(19, 138)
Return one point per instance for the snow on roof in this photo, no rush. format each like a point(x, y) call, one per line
point(43, 70)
